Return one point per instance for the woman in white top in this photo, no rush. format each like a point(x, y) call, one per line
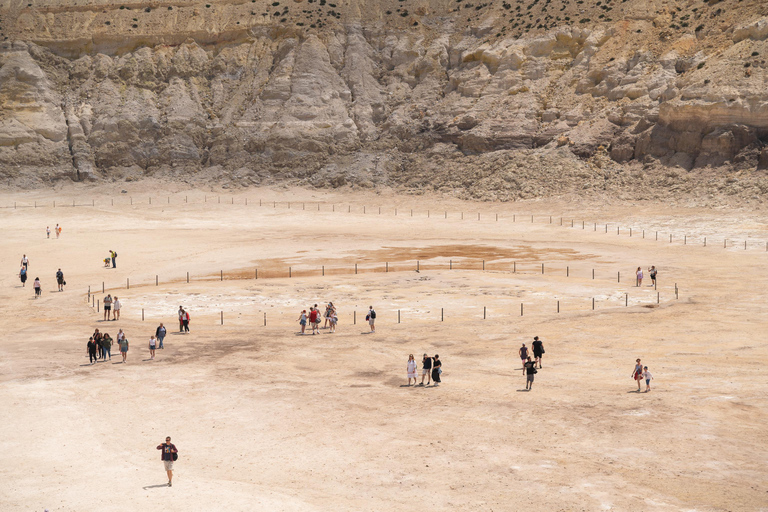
point(639, 276)
point(120, 335)
point(411, 370)
point(38, 287)
point(152, 345)
point(116, 305)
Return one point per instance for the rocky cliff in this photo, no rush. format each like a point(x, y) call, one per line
point(500, 99)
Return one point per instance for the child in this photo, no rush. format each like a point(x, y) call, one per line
point(334, 320)
point(647, 375)
point(107, 261)
point(152, 345)
point(303, 320)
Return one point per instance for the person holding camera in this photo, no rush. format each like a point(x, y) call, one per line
point(168, 455)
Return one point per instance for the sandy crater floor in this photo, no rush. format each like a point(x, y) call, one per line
point(268, 420)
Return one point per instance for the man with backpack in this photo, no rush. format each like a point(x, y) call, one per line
point(113, 255)
point(168, 455)
point(371, 317)
point(60, 280)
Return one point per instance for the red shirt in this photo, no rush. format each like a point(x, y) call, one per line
point(313, 316)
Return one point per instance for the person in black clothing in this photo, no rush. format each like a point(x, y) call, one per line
point(97, 339)
point(426, 369)
point(538, 350)
point(60, 280)
point(530, 371)
point(436, 370)
point(92, 347)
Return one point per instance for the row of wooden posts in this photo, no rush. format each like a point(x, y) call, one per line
point(386, 268)
point(275, 204)
point(97, 304)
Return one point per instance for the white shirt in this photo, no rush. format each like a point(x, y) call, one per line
point(152, 342)
point(116, 305)
point(647, 375)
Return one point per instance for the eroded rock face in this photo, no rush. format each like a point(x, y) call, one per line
point(305, 91)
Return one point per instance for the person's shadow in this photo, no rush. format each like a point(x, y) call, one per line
point(154, 486)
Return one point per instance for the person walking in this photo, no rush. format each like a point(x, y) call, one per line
point(25, 262)
point(529, 368)
point(106, 346)
point(60, 280)
point(313, 319)
point(123, 342)
point(48, 231)
point(371, 318)
point(38, 287)
point(185, 321)
point(437, 370)
point(639, 276)
point(181, 319)
point(107, 306)
point(648, 377)
point(92, 351)
point(160, 333)
point(334, 321)
point(538, 350)
point(637, 373)
point(168, 455)
point(116, 305)
point(652, 273)
point(113, 256)
point(152, 346)
point(426, 369)
point(523, 353)
point(303, 320)
point(411, 369)
point(97, 337)
point(23, 276)
point(58, 230)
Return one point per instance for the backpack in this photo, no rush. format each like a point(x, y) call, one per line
point(175, 456)
point(373, 314)
point(115, 255)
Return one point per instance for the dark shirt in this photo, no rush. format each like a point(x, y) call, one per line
point(529, 368)
point(523, 352)
point(537, 346)
point(438, 363)
point(59, 275)
point(168, 450)
point(92, 347)
point(160, 332)
point(427, 363)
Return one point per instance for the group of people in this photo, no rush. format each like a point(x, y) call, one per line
point(315, 318)
point(431, 369)
point(112, 306)
point(100, 344)
point(529, 365)
point(651, 273)
point(110, 259)
point(56, 230)
point(183, 320)
point(641, 373)
point(38, 287)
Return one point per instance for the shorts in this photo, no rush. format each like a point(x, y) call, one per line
point(60, 281)
point(152, 347)
point(426, 371)
point(371, 321)
point(303, 322)
point(529, 377)
point(647, 382)
point(538, 354)
point(168, 465)
point(107, 308)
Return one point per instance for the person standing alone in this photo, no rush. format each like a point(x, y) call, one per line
point(60, 280)
point(168, 455)
point(372, 318)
